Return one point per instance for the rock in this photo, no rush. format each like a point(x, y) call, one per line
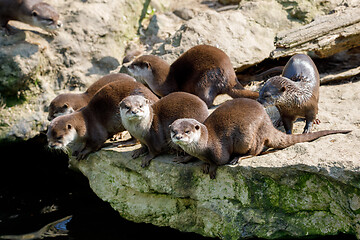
point(36, 66)
point(309, 189)
point(231, 31)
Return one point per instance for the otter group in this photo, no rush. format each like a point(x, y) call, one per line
point(179, 121)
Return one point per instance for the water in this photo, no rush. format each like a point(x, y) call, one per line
point(41, 198)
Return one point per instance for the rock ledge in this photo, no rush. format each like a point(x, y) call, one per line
point(270, 196)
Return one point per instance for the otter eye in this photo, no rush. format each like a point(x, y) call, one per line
point(59, 138)
point(141, 106)
point(34, 13)
point(187, 131)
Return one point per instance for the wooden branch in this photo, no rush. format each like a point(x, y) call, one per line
point(325, 36)
point(327, 78)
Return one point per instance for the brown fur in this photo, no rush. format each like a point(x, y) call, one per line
point(96, 122)
point(238, 127)
point(203, 70)
point(295, 93)
point(153, 133)
point(70, 102)
point(33, 12)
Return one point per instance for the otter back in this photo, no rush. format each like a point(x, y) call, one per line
point(69, 102)
point(238, 127)
point(100, 119)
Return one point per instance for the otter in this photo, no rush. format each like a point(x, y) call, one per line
point(87, 129)
point(295, 93)
point(33, 12)
point(238, 127)
point(150, 123)
point(70, 102)
point(203, 70)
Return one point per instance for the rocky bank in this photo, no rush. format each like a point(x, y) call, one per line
point(305, 190)
point(308, 189)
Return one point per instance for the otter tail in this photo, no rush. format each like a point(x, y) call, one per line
point(282, 140)
point(238, 91)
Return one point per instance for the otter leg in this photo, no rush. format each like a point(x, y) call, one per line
point(209, 168)
point(146, 161)
point(288, 124)
point(83, 154)
point(308, 126)
point(309, 122)
point(138, 152)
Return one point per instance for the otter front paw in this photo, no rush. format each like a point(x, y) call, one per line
point(138, 152)
point(146, 161)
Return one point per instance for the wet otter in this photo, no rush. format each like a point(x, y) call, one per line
point(34, 12)
point(295, 93)
point(70, 102)
point(150, 123)
point(203, 70)
point(86, 130)
point(238, 127)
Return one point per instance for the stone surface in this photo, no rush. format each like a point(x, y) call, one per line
point(35, 66)
point(305, 190)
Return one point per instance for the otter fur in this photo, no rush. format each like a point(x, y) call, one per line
point(150, 123)
point(203, 70)
point(33, 12)
point(295, 93)
point(238, 127)
point(87, 129)
point(67, 103)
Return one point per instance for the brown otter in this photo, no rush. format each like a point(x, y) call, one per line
point(87, 129)
point(150, 123)
point(70, 102)
point(33, 12)
point(238, 127)
point(203, 70)
point(295, 93)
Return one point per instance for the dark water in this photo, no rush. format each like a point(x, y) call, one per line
point(41, 197)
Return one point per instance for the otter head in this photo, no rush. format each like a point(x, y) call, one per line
point(272, 91)
point(185, 132)
point(42, 15)
point(59, 106)
point(141, 69)
point(61, 132)
point(135, 108)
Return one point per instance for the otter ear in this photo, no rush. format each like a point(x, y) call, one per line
point(69, 126)
point(34, 13)
point(282, 89)
point(197, 127)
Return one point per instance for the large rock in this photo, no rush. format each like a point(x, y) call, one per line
point(36, 66)
point(305, 190)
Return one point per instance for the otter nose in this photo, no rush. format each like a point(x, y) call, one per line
point(178, 137)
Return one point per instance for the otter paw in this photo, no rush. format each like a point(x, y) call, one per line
point(145, 162)
point(138, 152)
point(205, 168)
